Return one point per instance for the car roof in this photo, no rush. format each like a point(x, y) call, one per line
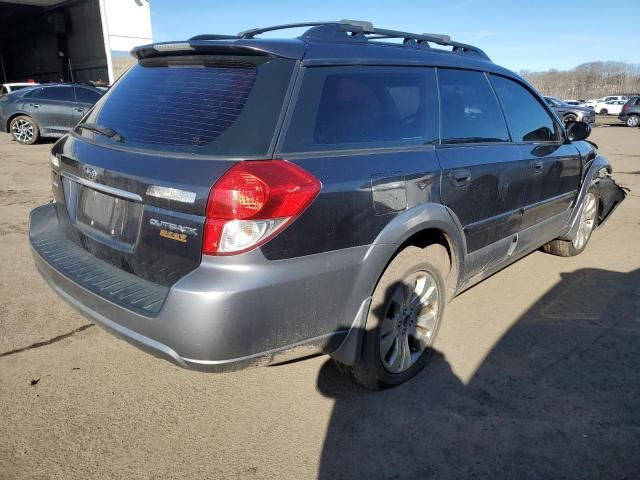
point(335, 43)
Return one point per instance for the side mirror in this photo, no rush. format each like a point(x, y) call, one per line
point(577, 131)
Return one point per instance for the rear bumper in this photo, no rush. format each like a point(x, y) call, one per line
point(229, 313)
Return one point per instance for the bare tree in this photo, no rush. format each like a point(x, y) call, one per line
point(589, 80)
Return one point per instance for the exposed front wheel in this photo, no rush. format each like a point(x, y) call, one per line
point(633, 121)
point(570, 118)
point(588, 222)
point(24, 129)
point(604, 111)
point(404, 317)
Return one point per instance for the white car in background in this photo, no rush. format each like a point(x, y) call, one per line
point(12, 87)
point(594, 101)
point(609, 107)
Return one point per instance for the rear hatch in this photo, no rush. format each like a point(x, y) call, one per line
point(136, 196)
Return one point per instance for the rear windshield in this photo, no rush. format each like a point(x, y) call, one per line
point(210, 105)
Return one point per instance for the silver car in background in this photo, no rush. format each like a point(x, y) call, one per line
point(571, 113)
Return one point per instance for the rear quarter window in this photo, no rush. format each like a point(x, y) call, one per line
point(84, 95)
point(348, 107)
point(212, 105)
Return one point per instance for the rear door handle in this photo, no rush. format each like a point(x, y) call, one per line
point(460, 178)
point(537, 166)
point(34, 105)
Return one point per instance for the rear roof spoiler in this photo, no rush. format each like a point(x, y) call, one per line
point(293, 49)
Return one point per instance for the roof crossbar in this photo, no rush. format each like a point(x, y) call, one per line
point(366, 30)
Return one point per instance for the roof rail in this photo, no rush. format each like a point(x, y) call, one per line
point(361, 29)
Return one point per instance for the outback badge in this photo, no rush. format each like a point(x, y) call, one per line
point(173, 231)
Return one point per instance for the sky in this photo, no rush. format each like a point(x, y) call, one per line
point(518, 34)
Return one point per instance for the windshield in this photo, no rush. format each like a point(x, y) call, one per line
point(556, 102)
point(220, 105)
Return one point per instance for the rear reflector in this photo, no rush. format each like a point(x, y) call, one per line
point(254, 201)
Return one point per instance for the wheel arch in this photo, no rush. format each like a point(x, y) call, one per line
point(7, 127)
point(420, 226)
point(592, 173)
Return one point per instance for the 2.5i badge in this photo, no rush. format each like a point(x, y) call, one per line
point(173, 231)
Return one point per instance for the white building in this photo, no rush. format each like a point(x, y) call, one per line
point(70, 40)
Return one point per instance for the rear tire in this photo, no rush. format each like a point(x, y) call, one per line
point(633, 121)
point(588, 223)
point(25, 130)
point(404, 317)
point(570, 118)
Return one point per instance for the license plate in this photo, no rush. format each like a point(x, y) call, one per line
point(106, 213)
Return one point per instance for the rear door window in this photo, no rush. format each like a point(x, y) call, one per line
point(470, 110)
point(363, 107)
point(212, 105)
point(528, 120)
point(64, 94)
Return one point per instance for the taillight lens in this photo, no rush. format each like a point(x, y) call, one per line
point(252, 202)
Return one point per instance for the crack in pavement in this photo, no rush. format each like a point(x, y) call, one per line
point(48, 342)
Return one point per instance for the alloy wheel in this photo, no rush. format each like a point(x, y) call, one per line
point(22, 130)
point(587, 221)
point(410, 321)
point(633, 121)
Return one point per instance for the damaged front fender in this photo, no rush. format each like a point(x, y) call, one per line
point(610, 193)
point(597, 174)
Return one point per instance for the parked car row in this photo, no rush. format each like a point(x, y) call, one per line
point(38, 111)
point(626, 107)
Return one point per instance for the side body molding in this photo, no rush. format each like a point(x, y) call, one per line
point(396, 232)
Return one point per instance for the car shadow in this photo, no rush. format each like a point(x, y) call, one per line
point(558, 396)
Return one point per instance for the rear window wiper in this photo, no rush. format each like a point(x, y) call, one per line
point(106, 131)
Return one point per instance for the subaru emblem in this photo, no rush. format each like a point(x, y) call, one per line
point(90, 172)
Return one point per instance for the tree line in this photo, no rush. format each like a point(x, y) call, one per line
point(589, 80)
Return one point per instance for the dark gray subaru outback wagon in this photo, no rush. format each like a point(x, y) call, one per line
point(234, 201)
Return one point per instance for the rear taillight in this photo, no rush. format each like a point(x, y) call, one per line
point(252, 202)
point(626, 107)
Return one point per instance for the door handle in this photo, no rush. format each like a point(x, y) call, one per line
point(34, 105)
point(460, 178)
point(81, 110)
point(537, 166)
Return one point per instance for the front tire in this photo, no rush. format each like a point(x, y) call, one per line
point(570, 118)
point(25, 130)
point(404, 317)
point(588, 222)
point(633, 121)
point(604, 111)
